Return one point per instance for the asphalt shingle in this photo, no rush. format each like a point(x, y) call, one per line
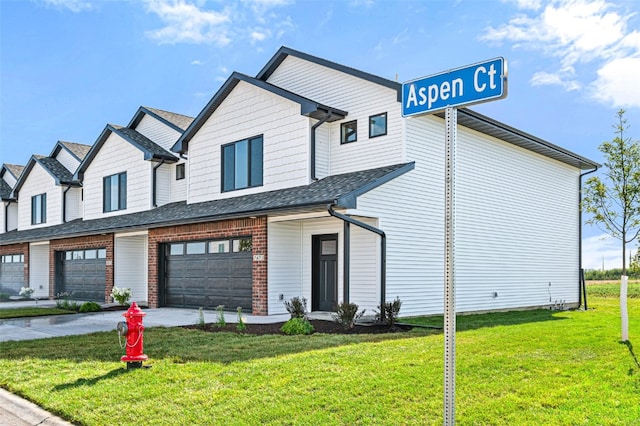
point(338, 189)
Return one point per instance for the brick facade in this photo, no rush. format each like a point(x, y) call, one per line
point(256, 228)
point(82, 243)
point(22, 248)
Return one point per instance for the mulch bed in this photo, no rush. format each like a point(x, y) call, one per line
point(319, 326)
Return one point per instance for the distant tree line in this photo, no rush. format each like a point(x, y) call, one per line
point(611, 274)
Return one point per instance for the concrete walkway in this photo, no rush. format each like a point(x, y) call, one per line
point(72, 324)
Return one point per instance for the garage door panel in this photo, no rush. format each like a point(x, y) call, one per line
point(84, 279)
point(11, 278)
point(208, 280)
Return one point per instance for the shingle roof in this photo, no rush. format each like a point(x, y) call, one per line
point(58, 172)
point(177, 122)
point(308, 107)
point(181, 121)
point(342, 190)
point(151, 149)
point(56, 169)
point(77, 149)
point(15, 169)
point(5, 190)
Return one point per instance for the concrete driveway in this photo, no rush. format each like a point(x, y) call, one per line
point(66, 325)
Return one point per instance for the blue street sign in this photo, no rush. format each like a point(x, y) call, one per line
point(467, 85)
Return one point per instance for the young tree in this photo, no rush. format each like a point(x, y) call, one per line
point(615, 202)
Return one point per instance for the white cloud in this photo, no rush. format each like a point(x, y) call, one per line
point(543, 78)
point(186, 22)
point(602, 249)
point(618, 83)
point(259, 34)
point(72, 5)
point(574, 33)
point(196, 62)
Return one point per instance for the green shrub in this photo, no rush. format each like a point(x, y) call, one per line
point(347, 314)
point(297, 307)
point(89, 307)
point(4, 297)
point(297, 326)
point(389, 312)
point(220, 321)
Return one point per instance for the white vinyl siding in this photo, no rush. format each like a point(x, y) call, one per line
point(39, 269)
point(158, 132)
point(131, 265)
point(290, 262)
point(12, 216)
point(247, 112)
point(516, 224)
point(39, 181)
point(163, 184)
point(8, 177)
point(179, 187)
point(323, 148)
point(361, 99)
point(117, 156)
point(74, 203)
point(285, 264)
point(65, 158)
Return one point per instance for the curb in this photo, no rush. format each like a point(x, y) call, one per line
point(18, 411)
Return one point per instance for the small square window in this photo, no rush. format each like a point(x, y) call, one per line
point(349, 132)
point(102, 253)
point(220, 246)
point(177, 249)
point(179, 171)
point(196, 248)
point(378, 125)
point(243, 244)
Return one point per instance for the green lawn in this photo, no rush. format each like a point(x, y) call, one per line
point(612, 289)
point(32, 312)
point(519, 368)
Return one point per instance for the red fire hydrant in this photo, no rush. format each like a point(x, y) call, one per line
point(135, 339)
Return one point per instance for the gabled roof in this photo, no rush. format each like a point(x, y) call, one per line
point(177, 122)
point(340, 190)
point(14, 169)
point(308, 107)
point(151, 150)
point(283, 52)
point(77, 150)
point(483, 124)
point(58, 172)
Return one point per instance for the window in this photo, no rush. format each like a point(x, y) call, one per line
point(39, 209)
point(242, 244)
point(220, 246)
point(114, 192)
point(242, 164)
point(179, 171)
point(349, 132)
point(378, 125)
point(196, 248)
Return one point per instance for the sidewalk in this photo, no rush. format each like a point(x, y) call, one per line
point(15, 411)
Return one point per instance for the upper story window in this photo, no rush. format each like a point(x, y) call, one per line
point(39, 209)
point(180, 171)
point(378, 125)
point(242, 164)
point(349, 132)
point(114, 193)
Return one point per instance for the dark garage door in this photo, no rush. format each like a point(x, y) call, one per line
point(208, 274)
point(11, 274)
point(81, 274)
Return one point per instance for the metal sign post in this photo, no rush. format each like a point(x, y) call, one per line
point(472, 84)
point(451, 125)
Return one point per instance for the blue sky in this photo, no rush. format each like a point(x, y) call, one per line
point(68, 67)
